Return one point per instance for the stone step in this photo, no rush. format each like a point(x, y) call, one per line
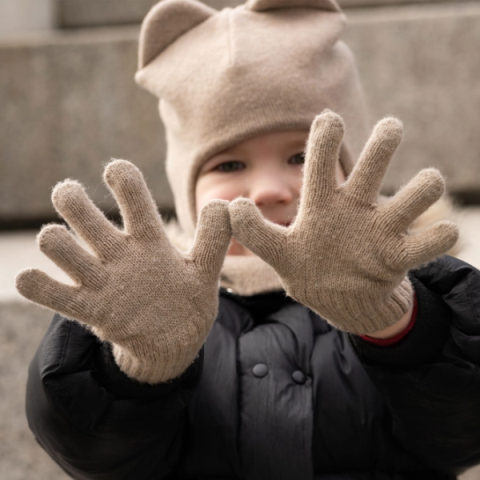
point(22, 326)
point(421, 63)
point(69, 105)
point(88, 13)
point(25, 15)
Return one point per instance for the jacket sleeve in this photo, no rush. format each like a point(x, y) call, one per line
point(430, 380)
point(93, 420)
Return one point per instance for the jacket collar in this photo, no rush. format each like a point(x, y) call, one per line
point(249, 276)
point(240, 274)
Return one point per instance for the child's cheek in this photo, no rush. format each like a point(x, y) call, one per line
point(214, 189)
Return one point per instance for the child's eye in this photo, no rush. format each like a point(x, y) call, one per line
point(231, 166)
point(298, 159)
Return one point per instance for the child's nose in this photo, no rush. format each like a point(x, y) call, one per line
point(271, 189)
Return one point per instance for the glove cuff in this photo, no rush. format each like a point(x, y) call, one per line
point(154, 368)
point(371, 312)
point(385, 314)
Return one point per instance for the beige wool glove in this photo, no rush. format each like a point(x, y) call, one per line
point(346, 256)
point(154, 304)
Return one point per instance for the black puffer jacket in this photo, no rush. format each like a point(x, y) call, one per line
point(276, 394)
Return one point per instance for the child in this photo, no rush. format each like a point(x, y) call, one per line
point(162, 376)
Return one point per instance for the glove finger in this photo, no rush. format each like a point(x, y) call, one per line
point(212, 237)
point(430, 243)
point(367, 176)
point(74, 205)
point(322, 155)
point(59, 245)
point(413, 199)
point(38, 287)
point(252, 230)
point(138, 209)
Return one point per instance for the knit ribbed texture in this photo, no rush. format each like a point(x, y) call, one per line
point(153, 303)
point(346, 256)
point(223, 77)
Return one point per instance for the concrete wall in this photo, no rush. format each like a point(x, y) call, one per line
point(88, 13)
point(69, 105)
point(26, 15)
point(346, 4)
point(421, 63)
point(85, 13)
point(20, 456)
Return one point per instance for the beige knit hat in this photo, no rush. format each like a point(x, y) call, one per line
point(225, 76)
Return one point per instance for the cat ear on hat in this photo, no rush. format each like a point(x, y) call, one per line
point(167, 21)
point(262, 5)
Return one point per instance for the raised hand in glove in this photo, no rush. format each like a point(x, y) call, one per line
point(154, 304)
point(346, 256)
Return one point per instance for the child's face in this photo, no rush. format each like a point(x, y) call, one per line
point(267, 169)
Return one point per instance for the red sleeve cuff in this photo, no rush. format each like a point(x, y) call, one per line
point(385, 342)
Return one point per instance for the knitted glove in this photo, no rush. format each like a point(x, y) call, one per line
point(346, 256)
point(153, 303)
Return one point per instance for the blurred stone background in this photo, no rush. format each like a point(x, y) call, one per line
point(69, 103)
